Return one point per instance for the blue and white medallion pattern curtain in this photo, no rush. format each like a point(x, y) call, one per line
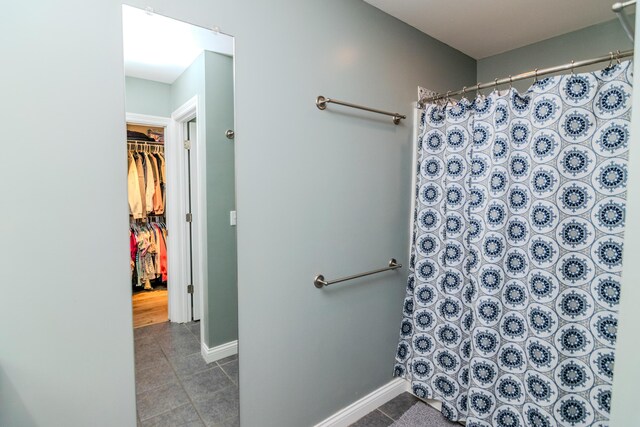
point(510, 316)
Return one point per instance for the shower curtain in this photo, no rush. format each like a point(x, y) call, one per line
point(510, 316)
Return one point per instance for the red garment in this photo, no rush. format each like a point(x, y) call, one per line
point(133, 245)
point(162, 255)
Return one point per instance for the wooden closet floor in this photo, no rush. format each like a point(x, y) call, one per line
point(150, 307)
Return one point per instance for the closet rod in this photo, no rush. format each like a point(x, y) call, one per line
point(531, 74)
point(138, 141)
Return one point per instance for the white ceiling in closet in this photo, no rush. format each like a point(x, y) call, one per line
point(488, 27)
point(160, 48)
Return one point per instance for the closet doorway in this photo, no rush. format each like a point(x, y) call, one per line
point(164, 285)
point(148, 231)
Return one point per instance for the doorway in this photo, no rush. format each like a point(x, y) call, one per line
point(146, 188)
point(162, 263)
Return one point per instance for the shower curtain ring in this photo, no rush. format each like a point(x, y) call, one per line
point(535, 80)
point(610, 60)
point(618, 57)
point(478, 93)
point(572, 64)
point(510, 82)
point(464, 91)
point(496, 84)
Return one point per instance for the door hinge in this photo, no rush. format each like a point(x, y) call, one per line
point(189, 217)
point(189, 289)
point(187, 144)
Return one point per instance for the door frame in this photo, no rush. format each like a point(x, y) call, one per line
point(179, 307)
point(174, 263)
point(191, 109)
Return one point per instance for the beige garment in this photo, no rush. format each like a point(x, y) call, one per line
point(138, 160)
point(133, 186)
point(163, 180)
point(157, 193)
point(161, 168)
point(149, 185)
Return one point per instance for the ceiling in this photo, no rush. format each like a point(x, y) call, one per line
point(160, 48)
point(488, 27)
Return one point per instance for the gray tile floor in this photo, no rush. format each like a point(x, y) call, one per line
point(174, 385)
point(391, 411)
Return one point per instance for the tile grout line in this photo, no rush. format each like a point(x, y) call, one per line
point(385, 414)
point(182, 385)
point(189, 396)
point(165, 412)
point(197, 336)
point(225, 372)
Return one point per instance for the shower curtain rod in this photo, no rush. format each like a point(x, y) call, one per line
point(612, 56)
point(618, 9)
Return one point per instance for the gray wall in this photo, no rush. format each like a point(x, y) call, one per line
point(147, 97)
point(66, 337)
point(624, 410)
point(322, 192)
point(221, 293)
point(582, 44)
point(318, 192)
point(189, 84)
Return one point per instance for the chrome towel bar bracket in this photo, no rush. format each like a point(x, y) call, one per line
point(320, 282)
point(321, 103)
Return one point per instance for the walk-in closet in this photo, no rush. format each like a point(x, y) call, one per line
point(146, 190)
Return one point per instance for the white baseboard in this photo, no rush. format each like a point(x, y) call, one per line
point(368, 403)
point(219, 352)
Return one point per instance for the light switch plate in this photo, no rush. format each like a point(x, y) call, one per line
point(233, 218)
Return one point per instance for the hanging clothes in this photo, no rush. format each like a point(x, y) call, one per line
point(133, 250)
point(149, 184)
point(510, 317)
point(161, 234)
point(148, 253)
point(133, 189)
point(157, 193)
point(160, 182)
point(141, 182)
point(147, 233)
point(146, 183)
